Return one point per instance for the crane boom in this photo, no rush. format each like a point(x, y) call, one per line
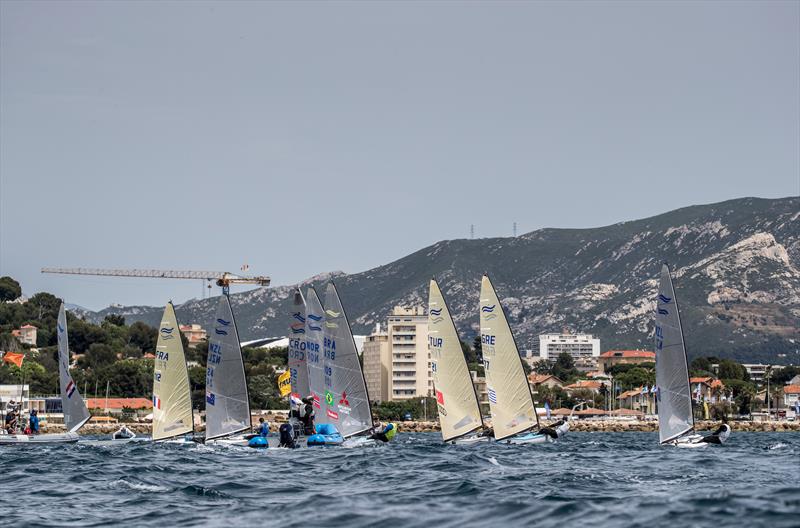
point(222, 278)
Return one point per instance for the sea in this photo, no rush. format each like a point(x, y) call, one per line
point(585, 479)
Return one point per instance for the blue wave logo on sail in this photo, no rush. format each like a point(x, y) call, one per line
point(314, 328)
point(316, 318)
point(297, 328)
point(488, 309)
point(220, 332)
point(664, 299)
point(223, 322)
point(299, 317)
point(662, 311)
point(166, 333)
point(436, 312)
point(437, 320)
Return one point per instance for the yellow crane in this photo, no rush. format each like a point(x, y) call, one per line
point(223, 279)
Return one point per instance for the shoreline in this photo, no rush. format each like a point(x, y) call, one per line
point(582, 426)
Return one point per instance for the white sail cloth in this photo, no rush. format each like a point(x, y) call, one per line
point(673, 394)
point(75, 412)
point(172, 399)
point(298, 368)
point(227, 401)
point(459, 410)
point(510, 397)
point(315, 320)
point(345, 402)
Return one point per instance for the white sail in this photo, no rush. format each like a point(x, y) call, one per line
point(75, 412)
point(172, 398)
point(315, 320)
point(510, 397)
point(298, 369)
point(227, 402)
point(673, 394)
point(459, 410)
point(346, 402)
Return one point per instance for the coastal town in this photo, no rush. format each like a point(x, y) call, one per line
point(570, 376)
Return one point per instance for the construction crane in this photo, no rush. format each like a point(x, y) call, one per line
point(222, 278)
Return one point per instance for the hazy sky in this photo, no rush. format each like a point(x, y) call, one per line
point(307, 137)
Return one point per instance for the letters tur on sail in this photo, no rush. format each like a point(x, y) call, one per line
point(510, 398)
point(459, 410)
point(298, 369)
point(172, 401)
point(75, 412)
point(345, 398)
point(315, 320)
point(672, 371)
point(227, 402)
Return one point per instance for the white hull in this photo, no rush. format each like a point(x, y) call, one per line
point(236, 440)
point(471, 440)
point(42, 439)
point(696, 441)
point(527, 438)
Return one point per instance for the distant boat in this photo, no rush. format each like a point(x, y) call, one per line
point(75, 412)
point(514, 417)
point(227, 400)
point(673, 393)
point(459, 410)
point(172, 396)
point(345, 400)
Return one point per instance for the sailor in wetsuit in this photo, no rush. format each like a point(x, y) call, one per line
point(286, 433)
point(386, 434)
point(307, 417)
point(718, 436)
point(551, 430)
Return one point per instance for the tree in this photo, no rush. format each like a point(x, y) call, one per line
point(564, 368)
point(542, 367)
point(9, 289)
point(98, 356)
point(114, 319)
point(729, 369)
point(142, 336)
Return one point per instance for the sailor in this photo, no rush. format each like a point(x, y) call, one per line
point(385, 434)
point(263, 428)
point(286, 432)
point(11, 419)
point(718, 436)
point(33, 423)
point(552, 430)
point(307, 416)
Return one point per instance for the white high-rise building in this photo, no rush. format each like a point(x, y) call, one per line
point(576, 345)
point(410, 371)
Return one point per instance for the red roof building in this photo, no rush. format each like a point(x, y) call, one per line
point(624, 357)
point(117, 404)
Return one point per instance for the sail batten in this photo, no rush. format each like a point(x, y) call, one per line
point(75, 412)
point(673, 392)
point(227, 400)
point(346, 402)
point(510, 398)
point(172, 400)
point(456, 400)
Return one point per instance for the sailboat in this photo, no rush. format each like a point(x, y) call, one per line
point(227, 400)
point(75, 412)
point(673, 393)
point(514, 417)
point(347, 415)
point(172, 397)
point(297, 362)
point(456, 399)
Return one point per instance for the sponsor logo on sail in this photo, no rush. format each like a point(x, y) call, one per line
point(333, 415)
point(343, 399)
point(492, 396)
point(166, 333)
point(156, 402)
point(70, 389)
point(299, 317)
point(210, 398)
point(439, 397)
point(223, 322)
point(315, 399)
point(664, 299)
point(329, 397)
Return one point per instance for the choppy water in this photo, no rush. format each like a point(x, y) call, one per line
point(591, 479)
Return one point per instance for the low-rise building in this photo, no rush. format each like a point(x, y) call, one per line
point(590, 385)
point(612, 358)
point(576, 345)
point(26, 334)
point(791, 398)
point(706, 388)
point(547, 380)
point(195, 334)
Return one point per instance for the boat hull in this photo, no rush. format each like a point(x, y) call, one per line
point(42, 439)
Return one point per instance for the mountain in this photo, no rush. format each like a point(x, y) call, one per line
point(736, 266)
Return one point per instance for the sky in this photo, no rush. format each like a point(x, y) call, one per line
point(308, 137)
